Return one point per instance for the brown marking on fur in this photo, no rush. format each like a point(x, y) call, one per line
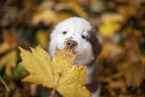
point(96, 46)
point(95, 42)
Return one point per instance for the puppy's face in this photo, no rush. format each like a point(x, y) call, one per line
point(73, 32)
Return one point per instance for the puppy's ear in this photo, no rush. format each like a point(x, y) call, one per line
point(97, 47)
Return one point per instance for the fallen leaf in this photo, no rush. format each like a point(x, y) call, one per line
point(75, 7)
point(111, 24)
point(11, 14)
point(10, 38)
point(97, 5)
point(119, 84)
point(110, 51)
point(42, 38)
point(63, 16)
point(4, 47)
point(30, 5)
point(55, 73)
point(128, 11)
point(45, 14)
point(108, 29)
point(78, 9)
point(134, 73)
point(111, 17)
point(132, 67)
point(66, 1)
point(9, 60)
point(46, 17)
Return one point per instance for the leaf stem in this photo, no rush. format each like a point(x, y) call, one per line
point(5, 85)
point(53, 92)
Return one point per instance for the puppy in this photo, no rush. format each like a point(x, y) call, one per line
point(78, 34)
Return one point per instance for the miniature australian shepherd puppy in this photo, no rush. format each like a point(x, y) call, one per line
point(78, 34)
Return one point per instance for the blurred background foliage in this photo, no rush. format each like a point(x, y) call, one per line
point(121, 31)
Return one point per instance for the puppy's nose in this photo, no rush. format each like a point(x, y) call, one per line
point(71, 43)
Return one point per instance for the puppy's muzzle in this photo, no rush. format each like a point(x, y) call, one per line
point(71, 43)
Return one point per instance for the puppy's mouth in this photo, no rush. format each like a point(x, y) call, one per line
point(74, 50)
point(72, 44)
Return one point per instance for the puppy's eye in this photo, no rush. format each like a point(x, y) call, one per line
point(83, 36)
point(64, 32)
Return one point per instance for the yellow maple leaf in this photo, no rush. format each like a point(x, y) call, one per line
point(57, 72)
point(111, 24)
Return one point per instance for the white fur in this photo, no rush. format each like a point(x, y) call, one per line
point(75, 28)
